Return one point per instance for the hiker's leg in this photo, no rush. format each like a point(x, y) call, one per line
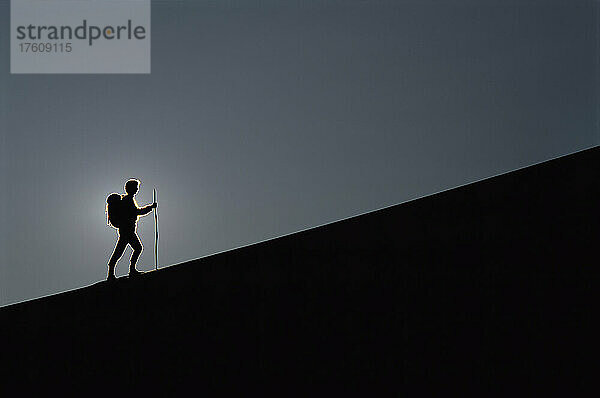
point(137, 247)
point(117, 253)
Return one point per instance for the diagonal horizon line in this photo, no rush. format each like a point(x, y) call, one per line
point(320, 225)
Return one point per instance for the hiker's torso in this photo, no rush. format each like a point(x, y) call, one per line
point(129, 215)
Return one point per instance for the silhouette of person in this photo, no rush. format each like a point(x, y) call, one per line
point(128, 216)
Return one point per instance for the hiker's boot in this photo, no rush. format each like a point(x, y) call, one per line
point(111, 275)
point(133, 272)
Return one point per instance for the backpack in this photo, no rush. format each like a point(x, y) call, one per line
point(114, 210)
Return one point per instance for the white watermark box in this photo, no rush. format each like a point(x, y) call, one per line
point(80, 36)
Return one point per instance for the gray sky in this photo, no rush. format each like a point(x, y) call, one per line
point(259, 121)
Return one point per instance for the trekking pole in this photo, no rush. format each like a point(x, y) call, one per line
point(154, 197)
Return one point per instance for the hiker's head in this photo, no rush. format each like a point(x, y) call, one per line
point(132, 186)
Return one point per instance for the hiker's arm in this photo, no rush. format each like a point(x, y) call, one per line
point(146, 209)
